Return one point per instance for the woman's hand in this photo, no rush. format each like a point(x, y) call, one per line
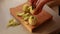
point(32, 2)
point(38, 5)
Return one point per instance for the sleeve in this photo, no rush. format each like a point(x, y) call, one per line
point(57, 2)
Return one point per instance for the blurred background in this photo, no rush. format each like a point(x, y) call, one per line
point(49, 27)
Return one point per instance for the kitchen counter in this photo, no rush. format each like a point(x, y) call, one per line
point(5, 16)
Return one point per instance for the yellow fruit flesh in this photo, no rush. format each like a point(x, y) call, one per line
point(32, 20)
point(25, 8)
point(28, 11)
point(13, 22)
point(20, 14)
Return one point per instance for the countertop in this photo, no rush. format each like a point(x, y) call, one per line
point(5, 16)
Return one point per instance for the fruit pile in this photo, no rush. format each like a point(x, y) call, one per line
point(27, 15)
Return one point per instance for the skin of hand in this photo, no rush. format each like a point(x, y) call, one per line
point(38, 6)
point(32, 2)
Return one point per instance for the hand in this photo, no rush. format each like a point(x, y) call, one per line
point(32, 2)
point(39, 5)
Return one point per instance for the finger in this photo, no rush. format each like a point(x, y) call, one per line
point(31, 1)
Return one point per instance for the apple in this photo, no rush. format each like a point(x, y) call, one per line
point(26, 8)
point(32, 20)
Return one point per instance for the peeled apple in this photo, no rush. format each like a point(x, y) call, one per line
point(13, 22)
point(32, 20)
point(30, 7)
point(31, 10)
point(26, 16)
point(25, 8)
point(20, 14)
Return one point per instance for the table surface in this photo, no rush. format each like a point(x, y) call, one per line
point(5, 6)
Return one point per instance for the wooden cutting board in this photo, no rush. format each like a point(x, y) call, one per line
point(42, 17)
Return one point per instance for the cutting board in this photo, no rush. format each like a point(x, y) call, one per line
point(41, 18)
